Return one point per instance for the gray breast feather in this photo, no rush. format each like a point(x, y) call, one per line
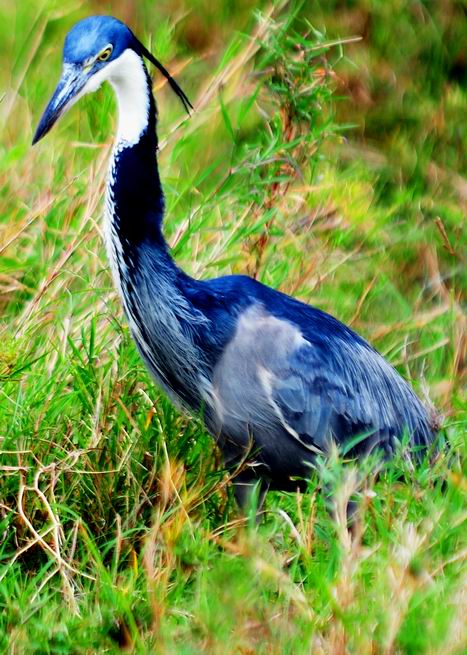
point(270, 379)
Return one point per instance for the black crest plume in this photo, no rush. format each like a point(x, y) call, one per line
point(173, 84)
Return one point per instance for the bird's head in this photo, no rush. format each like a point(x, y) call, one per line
point(91, 52)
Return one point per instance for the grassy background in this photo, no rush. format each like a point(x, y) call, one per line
point(335, 172)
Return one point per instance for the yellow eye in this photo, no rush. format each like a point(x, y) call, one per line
point(105, 54)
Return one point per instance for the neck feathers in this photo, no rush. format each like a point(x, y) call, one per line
point(136, 106)
point(135, 200)
point(163, 321)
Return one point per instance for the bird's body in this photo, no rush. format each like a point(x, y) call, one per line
point(277, 381)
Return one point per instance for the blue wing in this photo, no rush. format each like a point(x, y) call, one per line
point(292, 369)
point(349, 394)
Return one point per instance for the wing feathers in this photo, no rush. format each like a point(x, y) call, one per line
point(331, 389)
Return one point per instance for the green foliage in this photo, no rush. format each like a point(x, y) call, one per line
point(326, 166)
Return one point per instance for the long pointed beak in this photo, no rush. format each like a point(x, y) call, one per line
point(67, 92)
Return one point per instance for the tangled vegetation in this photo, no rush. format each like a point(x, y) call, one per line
point(326, 157)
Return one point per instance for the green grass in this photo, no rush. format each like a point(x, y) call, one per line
point(328, 167)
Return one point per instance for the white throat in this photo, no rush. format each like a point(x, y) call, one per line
point(128, 78)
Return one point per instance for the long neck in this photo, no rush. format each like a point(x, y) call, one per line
point(134, 185)
point(164, 322)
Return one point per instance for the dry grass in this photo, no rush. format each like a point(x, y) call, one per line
point(117, 526)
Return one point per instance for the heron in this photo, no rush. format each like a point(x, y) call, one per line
point(278, 383)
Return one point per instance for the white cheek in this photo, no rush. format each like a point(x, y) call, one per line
point(95, 82)
point(128, 78)
point(92, 85)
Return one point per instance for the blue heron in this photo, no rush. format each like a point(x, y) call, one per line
point(277, 381)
